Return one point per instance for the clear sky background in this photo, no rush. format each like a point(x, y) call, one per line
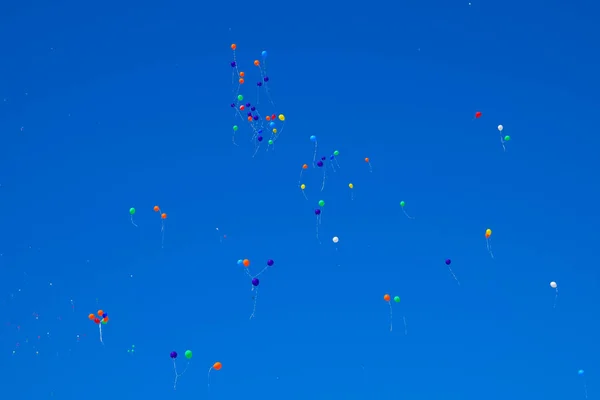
point(112, 105)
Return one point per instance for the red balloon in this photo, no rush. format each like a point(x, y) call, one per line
point(478, 114)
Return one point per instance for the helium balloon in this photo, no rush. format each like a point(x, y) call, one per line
point(281, 117)
point(386, 297)
point(336, 153)
point(553, 285)
point(217, 366)
point(255, 281)
point(313, 138)
point(397, 299)
point(188, 354)
point(448, 261)
point(132, 211)
point(478, 114)
point(507, 138)
point(351, 186)
point(303, 186)
point(321, 203)
point(335, 239)
point(270, 263)
point(500, 127)
point(246, 262)
point(173, 354)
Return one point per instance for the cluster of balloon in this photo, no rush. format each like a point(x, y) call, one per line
point(488, 235)
point(388, 298)
point(254, 279)
point(256, 122)
point(448, 262)
point(100, 319)
point(553, 285)
point(368, 161)
point(131, 212)
point(132, 349)
point(217, 367)
point(188, 356)
point(402, 204)
point(318, 212)
point(503, 139)
point(163, 217)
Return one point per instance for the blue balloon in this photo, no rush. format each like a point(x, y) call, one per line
point(313, 138)
point(104, 315)
point(240, 262)
point(331, 157)
point(580, 372)
point(264, 54)
point(271, 124)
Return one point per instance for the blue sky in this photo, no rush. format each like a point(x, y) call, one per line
point(107, 106)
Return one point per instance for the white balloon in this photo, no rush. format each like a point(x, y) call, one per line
point(500, 127)
point(553, 285)
point(335, 239)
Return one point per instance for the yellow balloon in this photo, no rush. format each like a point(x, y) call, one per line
point(488, 232)
point(303, 186)
point(281, 117)
point(275, 131)
point(351, 186)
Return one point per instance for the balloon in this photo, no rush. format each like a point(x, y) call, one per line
point(386, 297)
point(488, 233)
point(240, 262)
point(233, 47)
point(500, 127)
point(270, 141)
point(321, 203)
point(351, 186)
point(448, 261)
point(100, 312)
point(97, 320)
point(173, 354)
point(281, 117)
point(580, 372)
point(397, 299)
point(336, 153)
point(255, 281)
point(367, 159)
point(402, 204)
point(104, 321)
point(264, 54)
point(259, 138)
point(313, 138)
point(163, 215)
point(270, 263)
point(132, 211)
point(478, 114)
point(317, 211)
point(305, 166)
point(91, 317)
point(246, 262)
point(335, 239)
point(506, 138)
point(188, 354)
point(553, 285)
point(240, 97)
point(303, 186)
point(319, 163)
point(217, 366)
point(235, 128)
point(105, 315)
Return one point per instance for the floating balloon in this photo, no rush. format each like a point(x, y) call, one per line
point(101, 318)
point(507, 138)
point(246, 263)
point(553, 285)
point(335, 239)
point(270, 263)
point(217, 367)
point(397, 299)
point(448, 261)
point(321, 203)
point(500, 127)
point(488, 234)
point(188, 355)
point(402, 204)
point(173, 354)
point(387, 298)
point(368, 161)
point(478, 114)
point(255, 281)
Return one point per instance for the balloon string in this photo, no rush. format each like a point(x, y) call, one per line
point(405, 327)
point(100, 329)
point(315, 155)
point(391, 315)
point(408, 216)
point(555, 298)
point(489, 247)
point(177, 376)
point(454, 276)
point(162, 231)
point(133, 223)
point(502, 141)
point(585, 389)
point(324, 177)
point(208, 378)
point(255, 297)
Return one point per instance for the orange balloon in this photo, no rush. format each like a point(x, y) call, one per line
point(268, 117)
point(305, 166)
point(256, 63)
point(105, 319)
point(242, 74)
point(241, 81)
point(233, 46)
point(91, 317)
point(217, 366)
point(367, 159)
point(163, 215)
point(100, 312)
point(487, 235)
point(386, 297)
point(246, 263)
point(156, 208)
point(250, 118)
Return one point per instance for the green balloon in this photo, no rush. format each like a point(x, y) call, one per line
point(321, 203)
point(235, 127)
point(506, 138)
point(188, 354)
point(270, 141)
point(336, 153)
point(397, 299)
point(104, 322)
point(402, 204)
point(132, 211)
point(240, 97)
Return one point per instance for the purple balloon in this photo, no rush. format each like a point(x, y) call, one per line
point(319, 163)
point(247, 104)
point(255, 281)
point(448, 261)
point(266, 79)
point(260, 138)
point(233, 64)
point(173, 354)
point(323, 158)
point(258, 83)
point(255, 117)
point(317, 211)
point(232, 105)
point(270, 263)
point(252, 108)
